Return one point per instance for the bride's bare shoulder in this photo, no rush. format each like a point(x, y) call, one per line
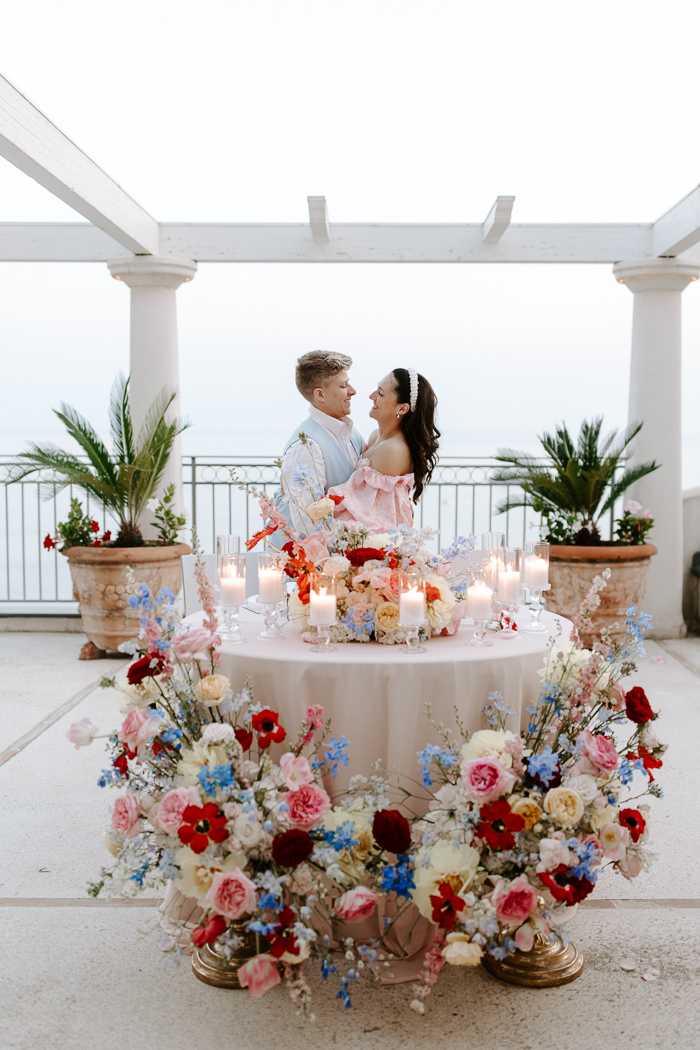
point(392, 457)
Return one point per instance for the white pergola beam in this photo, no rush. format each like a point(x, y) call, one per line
point(33, 144)
point(318, 219)
point(498, 220)
point(679, 228)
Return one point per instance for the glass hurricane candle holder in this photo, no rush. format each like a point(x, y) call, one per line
point(226, 544)
point(412, 610)
point(271, 592)
point(536, 579)
point(509, 584)
point(323, 610)
point(479, 608)
point(231, 572)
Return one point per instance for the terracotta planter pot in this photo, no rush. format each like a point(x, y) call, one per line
point(571, 573)
point(100, 586)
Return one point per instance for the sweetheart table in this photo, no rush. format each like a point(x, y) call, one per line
point(376, 694)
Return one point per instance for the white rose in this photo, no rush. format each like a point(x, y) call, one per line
point(322, 508)
point(212, 689)
point(486, 742)
point(585, 786)
point(247, 832)
point(553, 852)
point(215, 732)
point(337, 563)
point(460, 951)
point(379, 540)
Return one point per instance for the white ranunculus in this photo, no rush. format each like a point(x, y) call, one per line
point(216, 732)
point(585, 786)
point(335, 564)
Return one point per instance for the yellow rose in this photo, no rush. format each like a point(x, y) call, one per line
point(322, 508)
point(212, 689)
point(388, 616)
point(526, 808)
point(565, 805)
point(460, 951)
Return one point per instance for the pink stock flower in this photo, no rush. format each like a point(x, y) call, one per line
point(296, 771)
point(126, 816)
point(193, 644)
point(231, 894)
point(485, 779)
point(82, 733)
point(514, 902)
point(356, 904)
point(599, 751)
point(307, 805)
point(259, 975)
point(137, 728)
point(314, 716)
point(173, 805)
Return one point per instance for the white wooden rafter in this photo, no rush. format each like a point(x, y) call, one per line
point(318, 220)
point(498, 220)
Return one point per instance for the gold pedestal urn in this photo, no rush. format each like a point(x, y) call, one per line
point(546, 965)
point(211, 965)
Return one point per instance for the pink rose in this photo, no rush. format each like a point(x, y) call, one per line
point(193, 644)
point(315, 546)
point(82, 733)
point(231, 894)
point(135, 730)
point(485, 779)
point(173, 805)
point(307, 805)
point(599, 751)
point(259, 975)
point(356, 904)
point(514, 902)
point(296, 771)
point(126, 816)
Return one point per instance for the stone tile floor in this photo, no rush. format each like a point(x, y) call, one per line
point(79, 974)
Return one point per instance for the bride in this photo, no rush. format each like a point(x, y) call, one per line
point(400, 455)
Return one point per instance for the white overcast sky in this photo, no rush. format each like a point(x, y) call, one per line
point(395, 111)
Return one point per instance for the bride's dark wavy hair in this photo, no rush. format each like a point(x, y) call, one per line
point(419, 430)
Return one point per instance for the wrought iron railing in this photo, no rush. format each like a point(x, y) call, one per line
point(461, 498)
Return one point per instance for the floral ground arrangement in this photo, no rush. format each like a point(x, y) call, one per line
point(500, 832)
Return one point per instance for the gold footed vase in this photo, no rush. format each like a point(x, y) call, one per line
point(546, 965)
point(211, 965)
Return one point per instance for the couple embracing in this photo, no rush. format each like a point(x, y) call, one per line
point(374, 482)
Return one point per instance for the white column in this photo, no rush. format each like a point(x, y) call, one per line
point(655, 401)
point(154, 363)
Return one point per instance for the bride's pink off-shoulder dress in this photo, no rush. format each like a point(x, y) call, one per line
point(378, 501)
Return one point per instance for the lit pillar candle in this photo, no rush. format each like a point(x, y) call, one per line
point(479, 598)
point(232, 590)
point(270, 586)
point(322, 608)
point(508, 586)
point(412, 608)
point(536, 573)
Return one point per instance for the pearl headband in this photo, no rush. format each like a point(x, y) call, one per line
point(413, 380)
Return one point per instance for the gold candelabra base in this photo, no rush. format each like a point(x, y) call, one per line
point(211, 965)
point(546, 965)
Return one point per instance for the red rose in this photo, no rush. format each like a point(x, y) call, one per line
point(211, 931)
point(200, 825)
point(143, 668)
point(266, 724)
point(445, 905)
point(634, 821)
point(49, 543)
point(637, 707)
point(292, 847)
point(566, 887)
point(498, 822)
point(391, 831)
point(244, 738)
point(362, 554)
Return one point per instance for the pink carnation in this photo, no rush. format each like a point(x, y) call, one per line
point(231, 894)
point(259, 975)
point(126, 816)
point(356, 904)
point(485, 779)
point(173, 805)
point(296, 771)
point(598, 752)
point(514, 902)
point(307, 806)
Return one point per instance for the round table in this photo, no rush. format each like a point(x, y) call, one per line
point(376, 694)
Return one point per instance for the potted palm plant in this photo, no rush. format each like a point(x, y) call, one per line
point(580, 483)
point(125, 481)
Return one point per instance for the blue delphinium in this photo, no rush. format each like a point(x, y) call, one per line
point(212, 780)
point(398, 877)
point(544, 765)
point(443, 758)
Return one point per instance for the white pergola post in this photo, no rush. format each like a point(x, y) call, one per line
point(154, 362)
point(655, 401)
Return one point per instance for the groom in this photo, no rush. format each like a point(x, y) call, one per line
point(334, 446)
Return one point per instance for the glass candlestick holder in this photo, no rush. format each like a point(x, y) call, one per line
point(271, 593)
point(412, 610)
point(536, 579)
point(231, 572)
point(323, 610)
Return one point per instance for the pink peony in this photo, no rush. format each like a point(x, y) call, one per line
point(193, 644)
point(307, 806)
point(82, 733)
point(485, 779)
point(356, 904)
point(231, 894)
point(514, 902)
point(136, 730)
point(598, 752)
point(126, 816)
point(259, 975)
point(173, 805)
point(296, 771)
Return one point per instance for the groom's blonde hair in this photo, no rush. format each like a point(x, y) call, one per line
point(316, 368)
